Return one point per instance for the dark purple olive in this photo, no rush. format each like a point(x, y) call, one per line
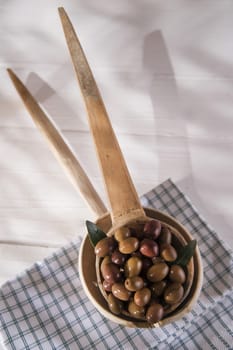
point(111, 273)
point(118, 258)
point(107, 286)
point(152, 229)
point(146, 263)
point(149, 248)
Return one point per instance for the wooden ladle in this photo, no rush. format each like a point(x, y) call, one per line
point(124, 202)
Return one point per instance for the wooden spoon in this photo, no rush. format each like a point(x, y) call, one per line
point(60, 148)
point(123, 198)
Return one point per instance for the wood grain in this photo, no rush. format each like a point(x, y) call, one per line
point(124, 201)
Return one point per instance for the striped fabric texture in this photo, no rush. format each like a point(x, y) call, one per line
point(46, 308)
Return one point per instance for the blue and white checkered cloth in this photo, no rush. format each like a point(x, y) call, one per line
point(46, 308)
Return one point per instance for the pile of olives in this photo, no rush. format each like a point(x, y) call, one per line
point(138, 271)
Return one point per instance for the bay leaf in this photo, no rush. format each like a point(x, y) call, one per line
point(186, 253)
point(94, 232)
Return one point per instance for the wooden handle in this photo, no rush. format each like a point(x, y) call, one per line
point(122, 195)
point(60, 148)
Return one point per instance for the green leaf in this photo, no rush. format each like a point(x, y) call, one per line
point(186, 253)
point(94, 232)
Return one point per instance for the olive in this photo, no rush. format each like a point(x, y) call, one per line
point(154, 313)
point(177, 274)
point(173, 293)
point(137, 231)
point(134, 283)
point(115, 305)
point(142, 296)
point(107, 286)
point(136, 310)
point(122, 233)
point(118, 258)
point(106, 260)
point(129, 245)
point(149, 248)
point(120, 292)
point(111, 273)
point(165, 236)
point(152, 229)
point(146, 263)
point(157, 272)
point(105, 247)
point(168, 253)
point(133, 266)
point(157, 288)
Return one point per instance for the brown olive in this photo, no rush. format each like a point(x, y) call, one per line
point(142, 296)
point(134, 283)
point(129, 245)
point(168, 253)
point(154, 313)
point(105, 247)
point(157, 272)
point(111, 273)
point(120, 292)
point(173, 293)
point(106, 260)
point(165, 236)
point(118, 258)
point(107, 286)
point(157, 288)
point(177, 274)
point(152, 229)
point(122, 233)
point(135, 310)
point(133, 266)
point(115, 305)
point(149, 248)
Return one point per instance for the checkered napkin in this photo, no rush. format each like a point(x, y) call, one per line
point(46, 308)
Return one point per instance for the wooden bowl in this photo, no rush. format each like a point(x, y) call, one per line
point(91, 282)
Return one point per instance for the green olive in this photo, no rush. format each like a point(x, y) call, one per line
point(142, 296)
point(134, 283)
point(177, 274)
point(128, 245)
point(157, 272)
point(135, 310)
point(168, 253)
point(173, 293)
point(133, 266)
point(122, 233)
point(115, 305)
